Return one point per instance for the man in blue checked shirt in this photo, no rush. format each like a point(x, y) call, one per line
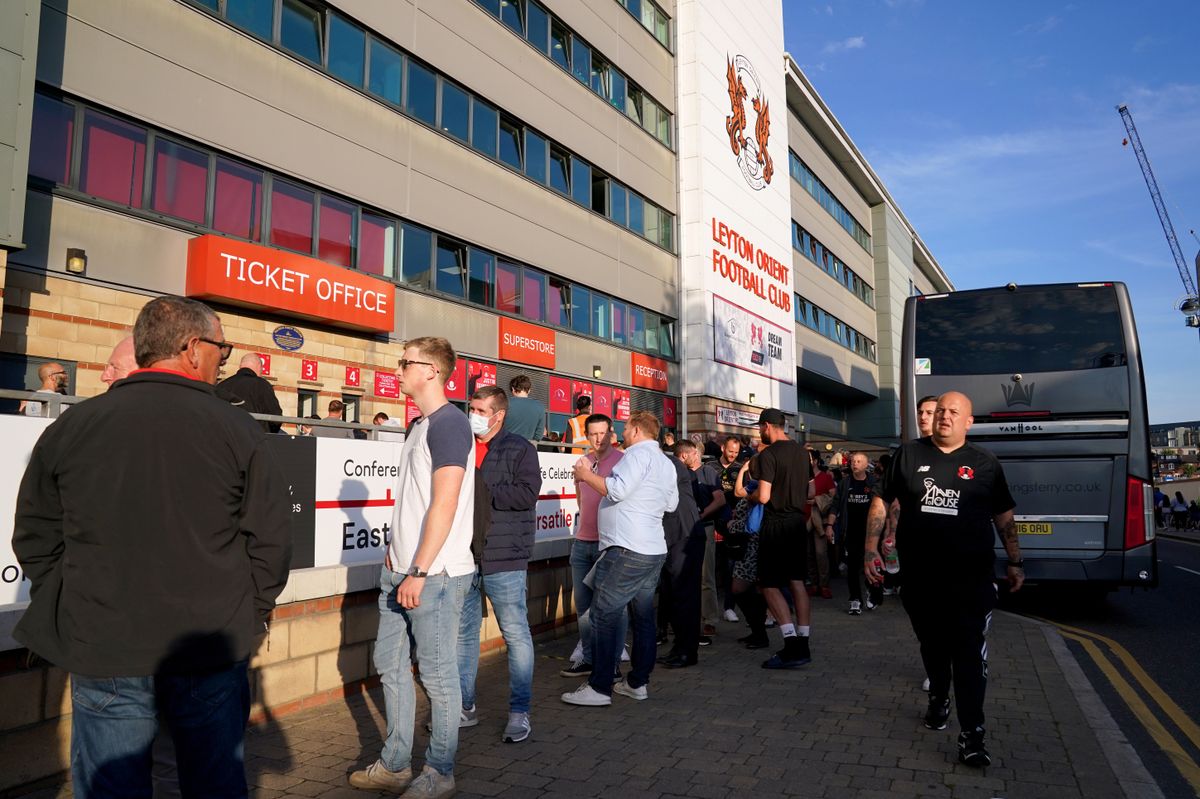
point(641, 488)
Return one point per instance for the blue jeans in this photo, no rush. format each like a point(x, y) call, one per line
point(624, 579)
point(425, 634)
point(584, 555)
point(506, 591)
point(114, 721)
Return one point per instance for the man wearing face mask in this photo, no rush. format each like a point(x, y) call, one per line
point(54, 381)
point(508, 464)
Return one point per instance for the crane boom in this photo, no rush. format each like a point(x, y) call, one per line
point(1189, 285)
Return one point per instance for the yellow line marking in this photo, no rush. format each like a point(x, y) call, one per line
point(1173, 711)
point(1186, 766)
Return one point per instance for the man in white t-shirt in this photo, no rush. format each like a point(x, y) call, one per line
point(425, 578)
point(53, 381)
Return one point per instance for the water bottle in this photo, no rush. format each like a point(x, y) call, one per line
point(891, 561)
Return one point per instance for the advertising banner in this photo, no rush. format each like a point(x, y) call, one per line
point(733, 416)
point(387, 385)
point(481, 374)
point(602, 400)
point(456, 385)
point(648, 372)
point(557, 502)
point(355, 485)
point(621, 405)
point(560, 395)
point(746, 341)
point(525, 343)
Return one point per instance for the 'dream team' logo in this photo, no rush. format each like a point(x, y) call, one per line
point(752, 155)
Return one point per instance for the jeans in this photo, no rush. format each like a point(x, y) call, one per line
point(114, 721)
point(506, 591)
point(427, 634)
point(584, 555)
point(624, 579)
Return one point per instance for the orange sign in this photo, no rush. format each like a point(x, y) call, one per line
point(648, 372)
point(526, 343)
point(261, 277)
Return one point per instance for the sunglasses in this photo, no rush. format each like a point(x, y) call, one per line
point(225, 347)
point(405, 363)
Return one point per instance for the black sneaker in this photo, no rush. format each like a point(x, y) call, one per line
point(580, 669)
point(937, 717)
point(794, 655)
point(705, 640)
point(971, 751)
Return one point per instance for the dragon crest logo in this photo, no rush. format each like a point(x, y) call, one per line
point(752, 156)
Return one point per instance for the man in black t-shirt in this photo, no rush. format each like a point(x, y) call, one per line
point(850, 506)
point(951, 494)
point(784, 473)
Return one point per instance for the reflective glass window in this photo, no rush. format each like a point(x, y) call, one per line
point(387, 72)
point(347, 50)
point(300, 30)
point(558, 303)
point(51, 142)
point(599, 193)
point(335, 226)
point(652, 219)
point(510, 145)
point(535, 156)
point(664, 127)
point(492, 6)
point(581, 182)
point(376, 244)
point(653, 323)
point(291, 216)
point(480, 279)
point(662, 31)
point(256, 16)
point(416, 252)
point(616, 208)
point(180, 187)
point(599, 76)
point(666, 339)
point(512, 15)
point(456, 111)
point(537, 26)
point(451, 267)
point(581, 309)
point(560, 175)
point(618, 322)
point(484, 130)
point(581, 60)
point(601, 321)
point(508, 287)
point(237, 200)
point(633, 104)
point(113, 164)
point(635, 330)
point(533, 295)
point(616, 89)
point(560, 45)
point(637, 213)
point(421, 98)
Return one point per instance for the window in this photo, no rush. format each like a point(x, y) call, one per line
point(510, 145)
point(599, 77)
point(237, 202)
point(508, 287)
point(180, 187)
point(538, 26)
point(558, 303)
point(535, 156)
point(666, 339)
point(664, 127)
point(634, 6)
point(581, 182)
point(581, 60)
point(387, 72)
point(636, 328)
point(256, 16)
point(581, 309)
point(479, 288)
point(300, 30)
point(599, 194)
point(665, 230)
point(618, 322)
point(653, 230)
point(650, 116)
point(633, 103)
point(560, 45)
point(52, 140)
point(617, 88)
point(456, 111)
point(601, 321)
point(451, 267)
point(347, 50)
point(335, 240)
point(661, 30)
point(114, 159)
point(376, 244)
point(616, 209)
point(533, 295)
point(484, 119)
point(415, 255)
point(648, 16)
point(421, 97)
point(492, 6)
point(512, 16)
point(560, 175)
point(637, 213)
point(653, 328)
point(291, 216)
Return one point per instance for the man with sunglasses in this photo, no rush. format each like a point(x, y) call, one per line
point(425, 578)
point(154, 525)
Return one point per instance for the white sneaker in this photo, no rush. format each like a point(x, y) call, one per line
point(925, 685)
point(855, 607)
point(625, 654)
point(518, 728)
point(587, 696)
point(871, 605)
point(730, 615)
point(770, 621)
point(376, 777)
point(430, 785)
point(625, 689)
point(577, 653)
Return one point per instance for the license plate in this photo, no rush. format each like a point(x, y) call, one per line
point(1034, 528)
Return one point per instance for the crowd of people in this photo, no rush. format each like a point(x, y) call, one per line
point(141, 500)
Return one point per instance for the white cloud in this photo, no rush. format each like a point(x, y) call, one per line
point(1045, 26)
point(849, 43)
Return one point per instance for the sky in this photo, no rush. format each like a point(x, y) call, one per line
point(994, 127)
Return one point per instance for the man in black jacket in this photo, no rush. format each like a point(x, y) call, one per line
point(153, 524)
point(247, 389)
point(509, 466)
point(679, 586)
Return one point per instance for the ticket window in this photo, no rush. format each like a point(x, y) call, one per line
point(306, 403)
point(351, 403)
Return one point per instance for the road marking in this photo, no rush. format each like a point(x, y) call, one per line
point(1186, 569)
point(1186, 766)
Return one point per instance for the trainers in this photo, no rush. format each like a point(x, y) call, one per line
point(376, 777)
point(625, 689)
point(705, 640)
point(625, 654)
point(580, 669)
point(971, 751)
point(925, 685)
point(577, 653)
point(872, 605)
point(731, 616)
point(855, 607)
point(795, 653)
point(518, 728)
point(586, 696)
point(430, 785)
point(937, 717)
point(770, 620)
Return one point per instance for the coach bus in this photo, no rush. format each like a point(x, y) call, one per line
point(1054, 373)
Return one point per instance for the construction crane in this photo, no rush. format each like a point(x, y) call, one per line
point(1189, 305)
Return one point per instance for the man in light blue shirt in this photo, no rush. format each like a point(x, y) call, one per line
point(641, 488)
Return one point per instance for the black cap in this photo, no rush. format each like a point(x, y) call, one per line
point(772, 416)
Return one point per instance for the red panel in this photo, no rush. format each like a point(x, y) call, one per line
point(621, 404)
point(266, 363)
point(668, 411)
point(456, 386)
point(308, 369)
point(602, 400)
point(353, 376)
point(387, 385)
point(480, 375)
point(335, 242)
point(560, 395)
point(411, 411)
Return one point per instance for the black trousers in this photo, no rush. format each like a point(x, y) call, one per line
point(856, 540)
point(679, 592)
point(951, 622)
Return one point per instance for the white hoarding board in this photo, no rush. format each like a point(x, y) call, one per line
point(19, 434)
point(744, 340)
point(735, 205)
point(557, 502)
point(355, 499)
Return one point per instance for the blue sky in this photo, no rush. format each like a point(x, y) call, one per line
point(994, 127)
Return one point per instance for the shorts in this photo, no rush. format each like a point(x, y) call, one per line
point(782, 550)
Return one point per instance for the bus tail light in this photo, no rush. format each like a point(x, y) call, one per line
point(1139, 513)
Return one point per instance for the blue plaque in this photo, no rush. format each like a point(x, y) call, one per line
point(288, 338)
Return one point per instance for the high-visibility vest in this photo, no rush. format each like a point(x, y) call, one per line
point(577, 428)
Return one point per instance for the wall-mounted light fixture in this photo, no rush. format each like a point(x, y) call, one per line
point(597, 372)
point(751, 397)
point(76, 260)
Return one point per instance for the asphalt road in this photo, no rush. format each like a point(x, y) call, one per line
point(1160, 628)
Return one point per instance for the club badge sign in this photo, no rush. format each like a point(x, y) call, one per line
point(752, 156)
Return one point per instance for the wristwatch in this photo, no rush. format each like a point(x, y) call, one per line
point(1017, 564)
point(414, 571)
